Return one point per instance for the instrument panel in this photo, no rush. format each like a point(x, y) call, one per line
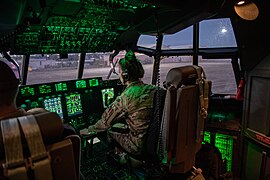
point(78, 102)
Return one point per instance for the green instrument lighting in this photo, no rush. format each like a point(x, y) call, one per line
point(74, 105)
point(93, 82)
point(207, 137)
point(34, 104)
point(165, 158)
point(44, 89)
point(107, 96)
point(218, 115)
point(54, 105)
point(77, 1)
point(60, 87)
point(23, 106)
point(80, 84)
point(225, 145)
point(27, 91)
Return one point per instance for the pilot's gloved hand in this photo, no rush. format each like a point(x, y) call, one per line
point(84, 131)
point(88, 131)
point(92, 129)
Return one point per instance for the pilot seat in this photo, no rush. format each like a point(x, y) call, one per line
point(176, 131)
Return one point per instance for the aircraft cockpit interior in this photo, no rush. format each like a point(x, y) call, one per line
point(77, 102)
point(209, 61)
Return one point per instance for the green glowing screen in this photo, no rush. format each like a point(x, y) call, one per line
point(74, 105)
point(107, 96)
point(80, 84)
point(27, 91)
point(44, 89)
point(225, 145)
point(218, 116)
point(93, 82)
point(60, 87)
point(207, 137)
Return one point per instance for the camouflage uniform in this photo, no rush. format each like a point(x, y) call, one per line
point(134, 105)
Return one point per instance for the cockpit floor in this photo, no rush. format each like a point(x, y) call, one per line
point(98, 166)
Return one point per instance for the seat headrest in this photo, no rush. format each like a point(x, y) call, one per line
point(50, 125)
point(178, 76)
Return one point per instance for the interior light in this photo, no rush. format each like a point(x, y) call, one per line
point(241, 2)
point(248, 11)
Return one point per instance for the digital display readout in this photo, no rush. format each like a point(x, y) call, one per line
point(93, 82)
point(60, 87)
point(80, 84)
point(224, 143)
point(45, 89)
point(27, 91)
point(74, 105)
point(107, 96)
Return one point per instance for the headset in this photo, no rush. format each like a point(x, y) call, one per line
point(132, 69)
point(125, 75)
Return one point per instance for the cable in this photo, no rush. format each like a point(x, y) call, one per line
point(158, 95)
point(158, 98)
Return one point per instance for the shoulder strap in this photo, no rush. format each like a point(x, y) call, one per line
point(204, 91)
point(203, 103)
point(15, 166)
point(40, 159)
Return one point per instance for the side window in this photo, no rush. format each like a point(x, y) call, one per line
point(218, 33)
point(220, 72)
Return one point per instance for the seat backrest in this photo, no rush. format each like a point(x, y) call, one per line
point(182, 124)
point(32, 147)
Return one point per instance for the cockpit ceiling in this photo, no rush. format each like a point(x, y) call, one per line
point(61, 26)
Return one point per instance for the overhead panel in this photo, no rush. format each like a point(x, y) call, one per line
point(70, 26)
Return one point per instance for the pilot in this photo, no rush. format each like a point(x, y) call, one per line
point(9, 85)
point(128, 117)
